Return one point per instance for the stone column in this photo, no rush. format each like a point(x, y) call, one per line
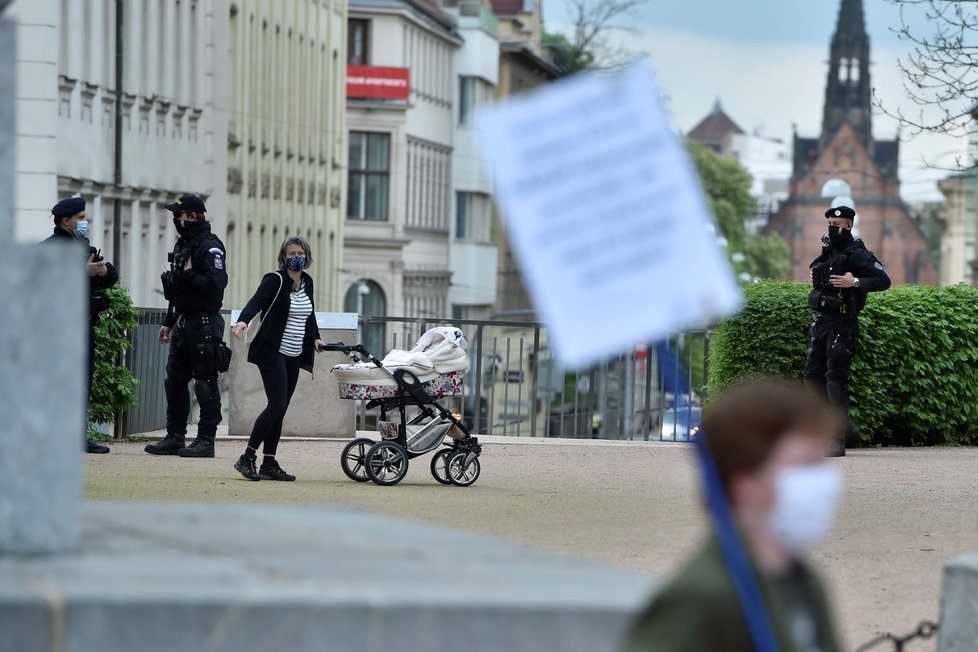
point(959, 604)
point(43, 345)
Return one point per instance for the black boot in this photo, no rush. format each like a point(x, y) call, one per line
point(202, 446)
point(169, 445)
point(837, 448)
point(93, 447)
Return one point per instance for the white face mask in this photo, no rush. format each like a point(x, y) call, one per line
point(807, 502)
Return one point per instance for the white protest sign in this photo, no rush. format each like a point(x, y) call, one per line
point(605, 214)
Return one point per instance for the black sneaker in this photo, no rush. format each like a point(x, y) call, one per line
point(200, 447)
point(92, 447)
point(272, 471)
point(169, 445)
point(246, 467)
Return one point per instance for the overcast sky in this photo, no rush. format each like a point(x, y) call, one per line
point(767, 62)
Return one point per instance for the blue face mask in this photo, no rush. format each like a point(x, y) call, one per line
point(296, 263)
point(82, 229)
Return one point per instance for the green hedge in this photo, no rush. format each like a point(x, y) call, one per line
point(114, 386)
point(915, 375)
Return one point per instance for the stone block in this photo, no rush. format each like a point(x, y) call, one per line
point(959, 605)
point(316, 409)
point(43, 346)
point(261, 577)
point(8, 72)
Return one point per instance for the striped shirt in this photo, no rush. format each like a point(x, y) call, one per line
point(295, 327)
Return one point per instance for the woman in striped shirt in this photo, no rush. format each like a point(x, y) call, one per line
point(285, 342)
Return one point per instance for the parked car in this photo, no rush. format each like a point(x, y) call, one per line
point(678, 424)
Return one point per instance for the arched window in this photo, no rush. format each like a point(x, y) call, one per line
point(367, 299)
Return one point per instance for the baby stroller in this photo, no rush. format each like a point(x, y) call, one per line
point(433, 369)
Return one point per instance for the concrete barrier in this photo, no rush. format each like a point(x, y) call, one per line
point(161, 577)
point(959, 605)
point(316, 409)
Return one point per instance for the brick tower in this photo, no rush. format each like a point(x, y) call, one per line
point(846, 151)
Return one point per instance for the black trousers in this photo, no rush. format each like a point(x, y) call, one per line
point(279, 380)
point(182, 366)
point(831, 345)
point(91, 373)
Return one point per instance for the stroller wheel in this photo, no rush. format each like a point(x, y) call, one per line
point(387, 463)
point(439, 466)
point(354, 459)
point(463, 468)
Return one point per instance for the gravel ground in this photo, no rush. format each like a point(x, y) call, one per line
point(630, 505)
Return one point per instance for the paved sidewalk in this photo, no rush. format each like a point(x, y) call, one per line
point(632, 505)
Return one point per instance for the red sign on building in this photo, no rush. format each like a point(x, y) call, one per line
point(377, 83)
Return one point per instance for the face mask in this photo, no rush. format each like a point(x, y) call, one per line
point(81, 229)
point(839, 236)
point(807, 501)
point(296, 263)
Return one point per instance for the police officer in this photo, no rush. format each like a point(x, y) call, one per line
point(841, 277)
point(71, 225)
point(193, 327)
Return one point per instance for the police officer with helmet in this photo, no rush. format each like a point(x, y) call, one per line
point(843, 274)
point(71, 226)
point(193, 327)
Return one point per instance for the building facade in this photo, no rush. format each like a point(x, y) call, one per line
point(959, 229)
point(473, 255)
point(172, 92)
point(847, 155)
point(286, 139)
point(400, 126)
point(523, 66)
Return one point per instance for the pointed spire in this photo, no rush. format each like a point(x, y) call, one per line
point(852, 21)
point(717, 107)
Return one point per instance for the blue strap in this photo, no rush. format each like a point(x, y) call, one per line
point(741, 572)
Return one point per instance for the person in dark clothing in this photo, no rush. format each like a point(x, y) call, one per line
point(843, 274)
point(285, 342)
point(71, 226)
point(194, 328)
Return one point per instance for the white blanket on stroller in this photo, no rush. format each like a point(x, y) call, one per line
point(438, 351)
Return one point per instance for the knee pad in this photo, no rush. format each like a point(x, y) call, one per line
point(203, 391)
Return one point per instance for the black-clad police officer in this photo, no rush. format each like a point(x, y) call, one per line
point(841, 277)
point(71, 225)
point(194, 328)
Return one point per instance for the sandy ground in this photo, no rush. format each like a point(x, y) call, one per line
point(630, 505)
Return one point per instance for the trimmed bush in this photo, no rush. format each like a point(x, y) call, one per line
point(915, 375)
point(114, 386)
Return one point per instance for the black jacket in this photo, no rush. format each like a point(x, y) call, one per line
point(272, 300)
point(856, 259)
point(95, 283)
point(201, 286)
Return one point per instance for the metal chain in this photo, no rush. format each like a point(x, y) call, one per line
point(924, 630)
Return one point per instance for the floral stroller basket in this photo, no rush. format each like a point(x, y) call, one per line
point(434, 369)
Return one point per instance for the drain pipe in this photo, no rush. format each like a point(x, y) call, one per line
point(117, 175)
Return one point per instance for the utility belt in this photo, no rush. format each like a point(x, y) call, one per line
point(211, 355)
point(827, 303)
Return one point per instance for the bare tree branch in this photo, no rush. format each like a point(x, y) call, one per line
point(941, 71)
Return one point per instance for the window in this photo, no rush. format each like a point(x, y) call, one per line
point(357, 31)
point(368, 175)
point(367, 300)
point(472, 216)
point(473, 92)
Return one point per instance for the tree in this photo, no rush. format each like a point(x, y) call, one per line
point(114, 386)
point(941, 72)
point(588, 47)
point(727, 187)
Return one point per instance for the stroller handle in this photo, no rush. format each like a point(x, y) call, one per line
point(351, 348)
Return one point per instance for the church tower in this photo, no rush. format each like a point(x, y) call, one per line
point(848, 93)
point(846, 156)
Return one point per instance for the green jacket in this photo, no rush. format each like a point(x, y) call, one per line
point(699, 612)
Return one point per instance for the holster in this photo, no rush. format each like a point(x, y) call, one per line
point(821, 301)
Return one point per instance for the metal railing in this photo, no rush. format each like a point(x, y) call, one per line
point(514, 385)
